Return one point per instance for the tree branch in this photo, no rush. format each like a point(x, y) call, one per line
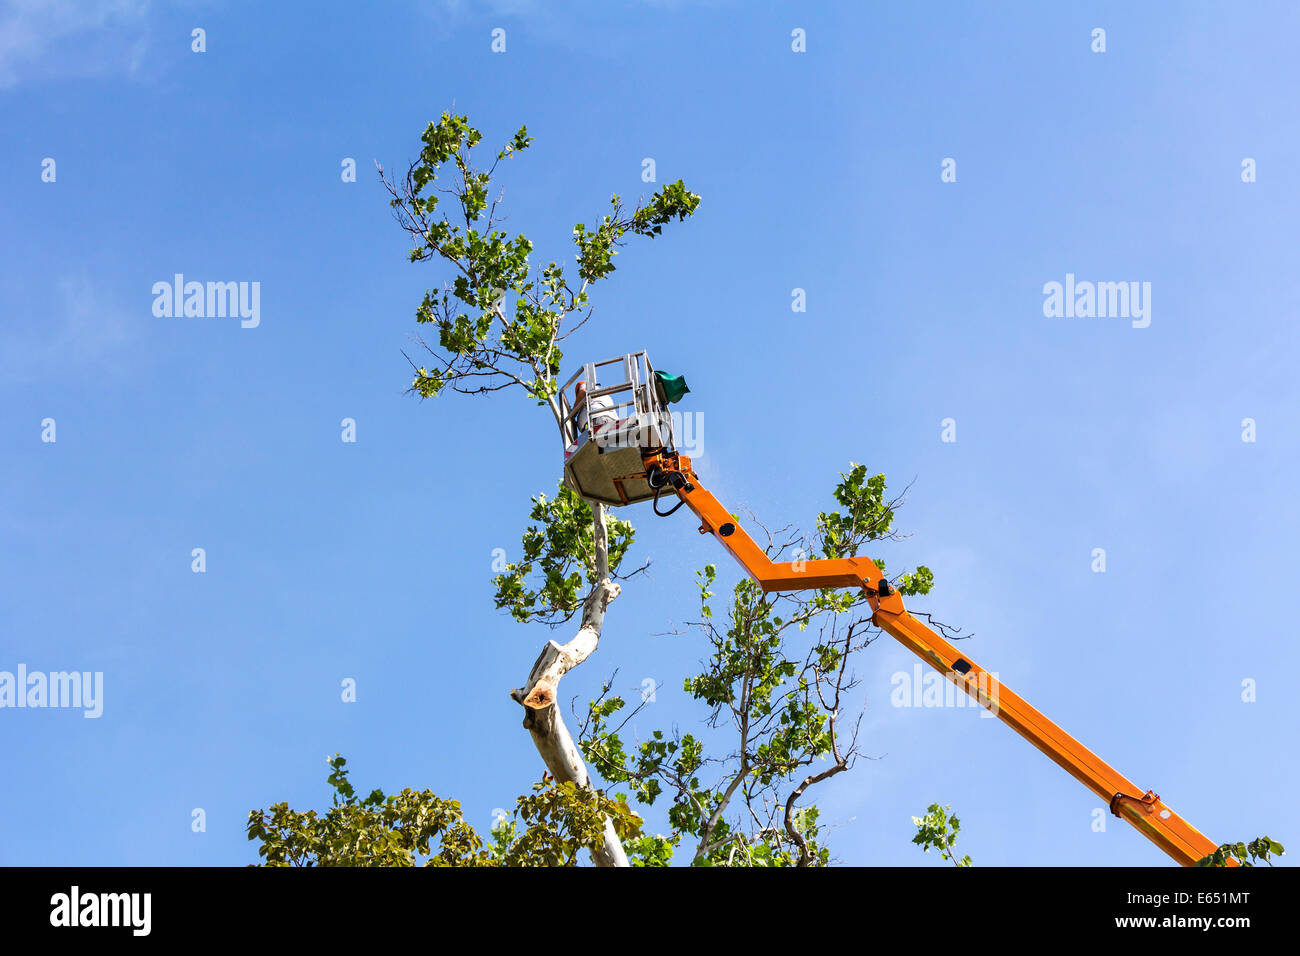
point(538, 697)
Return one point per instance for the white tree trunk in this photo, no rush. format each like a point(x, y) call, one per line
point(539, 696)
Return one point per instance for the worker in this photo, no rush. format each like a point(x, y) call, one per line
point(602, 410)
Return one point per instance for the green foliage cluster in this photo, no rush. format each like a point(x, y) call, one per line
point(938, 830)
point(549, 828)
point(868, 516)
point(558, 559)
point(499, 320)
point(1245, 854)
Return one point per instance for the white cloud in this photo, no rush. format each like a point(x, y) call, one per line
point(69, 37)
point(79, 332)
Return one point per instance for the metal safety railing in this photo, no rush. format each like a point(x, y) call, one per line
point(622, 391)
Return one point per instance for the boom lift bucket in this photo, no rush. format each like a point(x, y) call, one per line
point(621, 417)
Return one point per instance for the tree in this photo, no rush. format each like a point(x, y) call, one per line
point(778, 679)
point(482, 349)
point(938, 830)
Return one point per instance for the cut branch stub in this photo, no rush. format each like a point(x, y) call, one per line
point(556, 660)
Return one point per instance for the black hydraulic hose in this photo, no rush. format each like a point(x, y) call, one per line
point(670, 511)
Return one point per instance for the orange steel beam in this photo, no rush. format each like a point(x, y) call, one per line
point(1144, 810)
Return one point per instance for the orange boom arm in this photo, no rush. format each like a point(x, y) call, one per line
point(1159, 824)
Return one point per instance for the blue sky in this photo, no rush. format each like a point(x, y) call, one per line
point(818, 170)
